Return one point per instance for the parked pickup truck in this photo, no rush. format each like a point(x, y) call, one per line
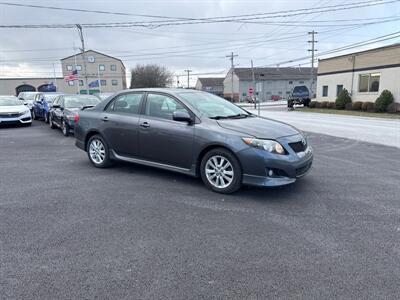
point(299, 95)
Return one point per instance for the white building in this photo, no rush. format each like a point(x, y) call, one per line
point(271, 83)
point(364, 74)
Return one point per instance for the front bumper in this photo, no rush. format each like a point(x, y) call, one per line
point(25, 118)
point(262, 168)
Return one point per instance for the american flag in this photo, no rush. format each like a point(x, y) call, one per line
point(71, 77)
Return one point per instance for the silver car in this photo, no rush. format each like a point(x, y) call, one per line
point(14, 111)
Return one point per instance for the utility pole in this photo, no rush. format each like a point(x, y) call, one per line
point(177, 81)
point(254, 84)
point(312, 50)
point(188, 76)
point(231, 57)
point(83, 56)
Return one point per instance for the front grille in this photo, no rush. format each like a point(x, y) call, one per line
point(9, 115)
point(298, 146)
point(302, 170)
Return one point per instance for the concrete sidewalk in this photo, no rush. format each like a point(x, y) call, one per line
point(372, 130)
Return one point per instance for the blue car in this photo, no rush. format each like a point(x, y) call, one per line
point(42, 104)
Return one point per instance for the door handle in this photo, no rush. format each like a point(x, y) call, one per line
point(145, 125)
point(105, 119)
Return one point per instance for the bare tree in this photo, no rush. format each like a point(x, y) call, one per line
point(148, 76)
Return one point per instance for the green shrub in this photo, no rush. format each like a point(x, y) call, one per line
point(343, 99)
point(383, 101)
point(324, 104)
point(393, 108)
point(357, 105)
point(368, 106)
point(331, 105)
point(317, 104)
point(312, 104)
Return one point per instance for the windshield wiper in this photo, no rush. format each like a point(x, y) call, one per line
point(237, 116)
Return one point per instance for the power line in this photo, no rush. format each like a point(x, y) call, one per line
point(189, 21)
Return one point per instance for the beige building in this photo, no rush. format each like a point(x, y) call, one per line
point(364, 74)
point(110, 71)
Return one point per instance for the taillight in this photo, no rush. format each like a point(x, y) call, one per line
point(76, 118)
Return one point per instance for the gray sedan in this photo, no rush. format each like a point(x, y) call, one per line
point(194, 133)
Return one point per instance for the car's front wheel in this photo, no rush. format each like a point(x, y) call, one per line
point(220, 171)
point(65, 128)
point(98, 152)
point(51, 124)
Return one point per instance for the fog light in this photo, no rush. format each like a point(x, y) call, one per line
point(270, 173)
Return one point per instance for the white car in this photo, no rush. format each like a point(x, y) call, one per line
point(28, 97)
point(14, 111)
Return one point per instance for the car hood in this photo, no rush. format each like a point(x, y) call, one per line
point(259, 127)
point(13, 109)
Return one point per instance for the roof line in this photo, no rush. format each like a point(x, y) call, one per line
point(94, 52)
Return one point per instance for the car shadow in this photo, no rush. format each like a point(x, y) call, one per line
point(259, 194)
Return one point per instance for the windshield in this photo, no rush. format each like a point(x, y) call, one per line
point(79, 101)
point(10, 101)
point(104, 96)
point(212, 106)
point(50, 97)
point(29, 96)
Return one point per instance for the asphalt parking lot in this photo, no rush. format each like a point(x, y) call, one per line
point(71, 231)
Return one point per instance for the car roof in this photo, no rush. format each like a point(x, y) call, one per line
point(173, 91)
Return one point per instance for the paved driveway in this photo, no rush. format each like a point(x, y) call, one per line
point(70, 231)
point(372, 130)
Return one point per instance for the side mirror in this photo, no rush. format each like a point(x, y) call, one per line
point(56, 106)
point(181, 116)
point(25, 103)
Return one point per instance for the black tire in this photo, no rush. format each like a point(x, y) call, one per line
point(64, 128)
point(34, 115)
point(307, 103)
point(107, 162)
point(290, 104)
point(51, 124)
point(236, 182)
point(46, 117)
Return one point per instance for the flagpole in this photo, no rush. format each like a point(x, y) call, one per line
point(98, 78)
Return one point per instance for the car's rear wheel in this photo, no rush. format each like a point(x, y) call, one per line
point(98, 152)
point(220, 171)
point(65, 128)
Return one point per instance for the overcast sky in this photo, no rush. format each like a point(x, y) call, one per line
point(201, 48)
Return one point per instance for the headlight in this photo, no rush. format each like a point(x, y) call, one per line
point(25, 111)
point(267, 145)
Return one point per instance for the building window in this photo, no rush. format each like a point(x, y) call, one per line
point(114, 82)
point(280, 93)
point(71, 83)
point(81, 82)
point(325, 91)
point(103, 82)
point(78, 67)
point(290, 82)
point(113, 68)
point(102, 67)
point(69, 67)
point(339, 88)
point(369, 82)
point(301, 82)
point(288, 92)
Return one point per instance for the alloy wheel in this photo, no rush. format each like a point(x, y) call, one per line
point(219, 171)
point(97, 151)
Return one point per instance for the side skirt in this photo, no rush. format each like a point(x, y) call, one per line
point(190, 172)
